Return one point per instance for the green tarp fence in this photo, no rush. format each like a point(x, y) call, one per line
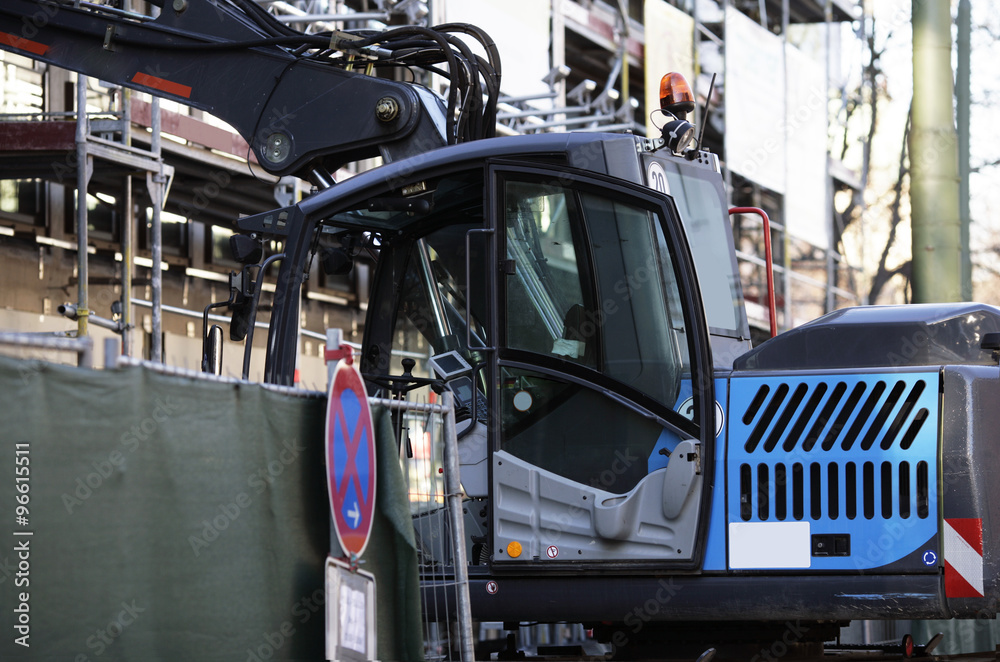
point(175, 518)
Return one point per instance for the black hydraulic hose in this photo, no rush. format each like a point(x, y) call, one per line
point(489, 111)
point(463, 79)
point(492, 53)
point(442, 42)
point(390, 35)
point(493, 75)
point(423, 53)
point(417, 46)
point(473, 97)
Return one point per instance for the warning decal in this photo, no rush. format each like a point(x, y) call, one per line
point(963, 558)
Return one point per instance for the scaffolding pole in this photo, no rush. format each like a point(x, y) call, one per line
point(128, 222)
point(82, 180)
point(154, 183)
point(128, 227)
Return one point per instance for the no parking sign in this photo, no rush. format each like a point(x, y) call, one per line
point(350, 459)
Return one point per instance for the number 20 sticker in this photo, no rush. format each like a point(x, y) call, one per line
point(657, 177)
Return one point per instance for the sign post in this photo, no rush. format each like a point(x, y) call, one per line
point(350, 481)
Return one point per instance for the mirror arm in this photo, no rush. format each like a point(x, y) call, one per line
point(253, 310)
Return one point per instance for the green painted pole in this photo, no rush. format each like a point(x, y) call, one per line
point(934, 190)
point(963, 92)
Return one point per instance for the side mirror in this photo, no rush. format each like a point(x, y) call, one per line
point(241, 294)
point(213, 351)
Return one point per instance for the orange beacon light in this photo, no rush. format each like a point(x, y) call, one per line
point(676, 97)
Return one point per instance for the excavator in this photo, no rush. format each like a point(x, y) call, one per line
point(628, 460)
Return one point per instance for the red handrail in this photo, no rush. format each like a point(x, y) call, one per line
point(769, 268)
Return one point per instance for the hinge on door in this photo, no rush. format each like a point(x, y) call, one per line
point(696, 458)
point(508, 267)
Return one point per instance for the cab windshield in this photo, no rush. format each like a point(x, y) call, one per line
point(700, 200)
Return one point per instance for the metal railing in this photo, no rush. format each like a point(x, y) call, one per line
point(429, 459)
point(82, 347)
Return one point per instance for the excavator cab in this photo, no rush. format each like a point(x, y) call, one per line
point(562, 309)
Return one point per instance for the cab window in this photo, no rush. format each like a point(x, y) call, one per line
point(591, 297)
point(590, 280)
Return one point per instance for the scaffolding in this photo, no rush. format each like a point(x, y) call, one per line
point(158, 176)
point(100, 142)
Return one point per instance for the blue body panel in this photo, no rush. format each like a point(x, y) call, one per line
point(853, 454)
point(715, 545)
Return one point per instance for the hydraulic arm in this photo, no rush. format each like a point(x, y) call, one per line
point(306, 103)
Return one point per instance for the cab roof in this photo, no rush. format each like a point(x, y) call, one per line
point(602, 153)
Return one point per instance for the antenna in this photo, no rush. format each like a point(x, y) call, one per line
point(704, 113)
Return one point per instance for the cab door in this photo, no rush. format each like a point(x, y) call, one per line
point(601, 344)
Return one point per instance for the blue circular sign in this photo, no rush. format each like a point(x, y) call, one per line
point(350, 458)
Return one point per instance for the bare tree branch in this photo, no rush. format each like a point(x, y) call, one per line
point(883, 275)
point(868, 89)
point(987, 164)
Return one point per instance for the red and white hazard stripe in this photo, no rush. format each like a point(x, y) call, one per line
point(963, 558)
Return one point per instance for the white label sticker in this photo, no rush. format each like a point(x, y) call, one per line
point(687, 411)
point(769, 545)
point(657, 177)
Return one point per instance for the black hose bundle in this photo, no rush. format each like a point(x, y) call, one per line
point(469, 76)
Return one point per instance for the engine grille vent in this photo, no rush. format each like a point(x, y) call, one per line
point(857, 447)
point(900, 489)
point(798, 426)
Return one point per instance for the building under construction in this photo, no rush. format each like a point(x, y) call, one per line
point(568, 65)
